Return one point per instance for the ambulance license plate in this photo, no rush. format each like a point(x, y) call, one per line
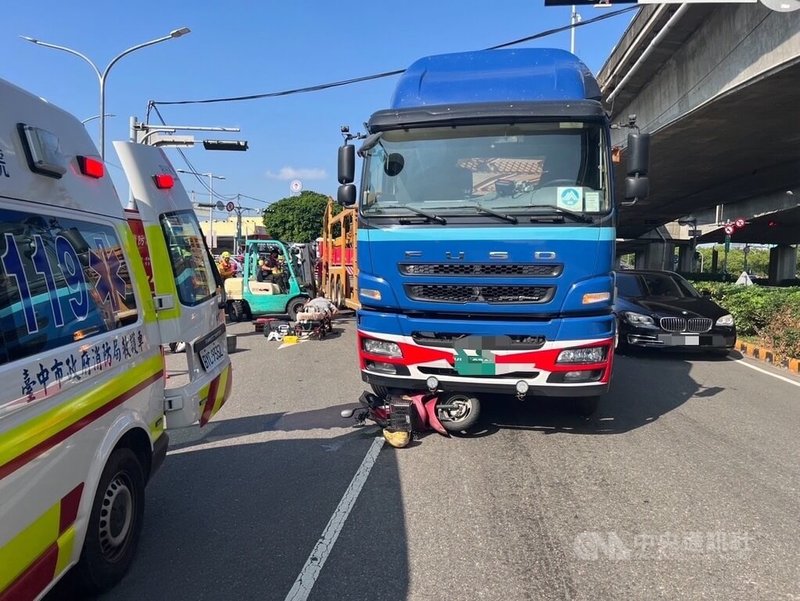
point(212, 355)
point(210, 349)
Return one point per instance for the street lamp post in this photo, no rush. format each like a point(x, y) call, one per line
point(211, 204)
point(102, 76)
point(93, 117)
point(574, 19)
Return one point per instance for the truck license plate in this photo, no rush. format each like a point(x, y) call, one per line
point(212, 355)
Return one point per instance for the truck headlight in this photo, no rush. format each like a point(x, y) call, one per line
point(637, 319)
point(725, 320)
point(595, 354)
point(381, 347)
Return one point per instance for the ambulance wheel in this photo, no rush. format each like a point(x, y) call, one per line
point(114, 524)
point(461, 412)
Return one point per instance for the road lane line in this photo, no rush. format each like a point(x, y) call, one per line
point(319, 554)
point(764, 371)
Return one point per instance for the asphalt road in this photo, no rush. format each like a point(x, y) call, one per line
point(685, 485)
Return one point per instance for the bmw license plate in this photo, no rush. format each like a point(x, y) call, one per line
point(211, 349)
point(678, 340)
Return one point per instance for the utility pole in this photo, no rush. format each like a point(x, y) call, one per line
point(211, 204)
point(239, 209)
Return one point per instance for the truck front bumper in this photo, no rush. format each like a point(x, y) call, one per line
point(484, 385)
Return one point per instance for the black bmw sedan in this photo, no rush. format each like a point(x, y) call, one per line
point(661, 309)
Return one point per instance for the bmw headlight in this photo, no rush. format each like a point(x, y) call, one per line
point(725, 320)
point(381, 347)
point(638, 319)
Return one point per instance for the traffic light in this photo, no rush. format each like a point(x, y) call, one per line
point(240, 145)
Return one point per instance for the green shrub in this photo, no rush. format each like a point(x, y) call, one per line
point(772, 314)
point(782, 334)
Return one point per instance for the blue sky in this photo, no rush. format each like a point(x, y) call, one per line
point(247, 47)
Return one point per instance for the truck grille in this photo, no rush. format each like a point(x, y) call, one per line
point(696, 325)
point(536, 270)
point(444, 371)
point(447, 340)
point(494, 295)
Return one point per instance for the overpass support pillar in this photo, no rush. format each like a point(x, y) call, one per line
point(685, 259)
point(782, 263)
point(656, 255)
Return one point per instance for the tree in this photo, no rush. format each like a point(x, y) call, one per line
point(296, 218)
point(757, 260)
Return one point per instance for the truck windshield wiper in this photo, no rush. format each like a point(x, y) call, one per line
point(486, 211)
point(428, 216)
point(553, 209)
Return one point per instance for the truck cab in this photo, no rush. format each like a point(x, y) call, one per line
point(486, 230)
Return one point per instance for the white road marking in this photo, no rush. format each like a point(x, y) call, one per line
point(764, 371)
point(319, 554)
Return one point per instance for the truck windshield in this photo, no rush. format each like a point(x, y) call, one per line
point(473, 169)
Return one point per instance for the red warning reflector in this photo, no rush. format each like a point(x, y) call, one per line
point(91, 167)
point(164, 181)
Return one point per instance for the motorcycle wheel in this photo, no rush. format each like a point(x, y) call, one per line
point(461, 418)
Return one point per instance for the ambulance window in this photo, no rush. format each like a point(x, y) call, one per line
point(194, 275)
point(61, 280)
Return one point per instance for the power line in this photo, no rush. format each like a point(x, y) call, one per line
point(548, 32)
point(353, 80)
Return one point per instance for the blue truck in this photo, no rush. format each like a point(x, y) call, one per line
point(486, 231)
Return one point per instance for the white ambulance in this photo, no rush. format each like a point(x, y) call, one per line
point(89, 296)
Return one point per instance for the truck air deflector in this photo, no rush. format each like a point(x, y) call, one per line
point(495, 76)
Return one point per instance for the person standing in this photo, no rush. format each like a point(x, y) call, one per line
point(226, 267)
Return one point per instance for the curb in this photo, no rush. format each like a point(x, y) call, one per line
point(767, 356)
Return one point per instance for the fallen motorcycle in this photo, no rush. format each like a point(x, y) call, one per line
point(402, 416)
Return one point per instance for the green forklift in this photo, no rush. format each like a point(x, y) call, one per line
point(283, 292)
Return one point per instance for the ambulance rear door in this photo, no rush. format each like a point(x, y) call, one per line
point(185, 282)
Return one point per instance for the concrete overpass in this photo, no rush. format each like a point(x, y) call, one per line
point(718, 87)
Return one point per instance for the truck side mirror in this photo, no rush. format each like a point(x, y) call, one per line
point(347, 164)
point(636, 188)
point(346, 194)
point(638, 153)
point(637, 184)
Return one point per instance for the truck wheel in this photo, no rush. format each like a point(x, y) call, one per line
point(337, 293)
point(295, 306)
point(461, 413)
point(114, 524)
point(620, 343)
point(381, 391)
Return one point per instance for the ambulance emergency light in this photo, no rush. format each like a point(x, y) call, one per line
point(43, 151)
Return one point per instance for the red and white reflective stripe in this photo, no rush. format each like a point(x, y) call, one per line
point(44, 568)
